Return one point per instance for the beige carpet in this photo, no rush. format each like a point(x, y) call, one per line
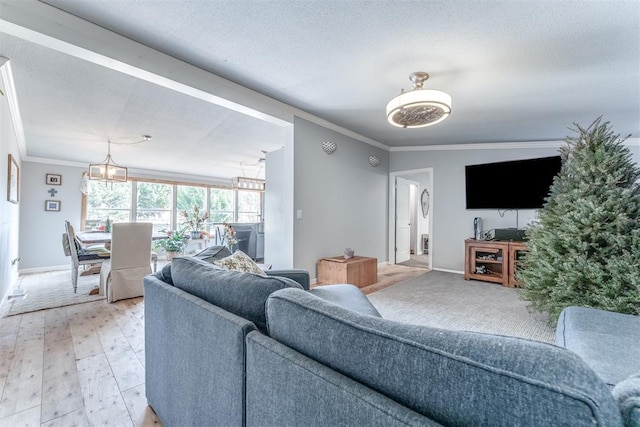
point(49, 290)
point(446, 300)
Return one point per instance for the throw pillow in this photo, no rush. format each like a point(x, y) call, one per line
point(627, 392)
point(240, 261)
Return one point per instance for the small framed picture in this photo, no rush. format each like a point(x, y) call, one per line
point(52, 205)
point(53, 179)
point(13, 180)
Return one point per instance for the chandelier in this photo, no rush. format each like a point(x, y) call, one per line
point(243, 183)
point(418, 107)
point(108, 171)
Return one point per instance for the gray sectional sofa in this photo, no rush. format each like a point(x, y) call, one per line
point(227, 348)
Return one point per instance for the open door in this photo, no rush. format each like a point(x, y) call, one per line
point(403, 220)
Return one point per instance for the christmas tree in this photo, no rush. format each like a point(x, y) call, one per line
point(584, 249)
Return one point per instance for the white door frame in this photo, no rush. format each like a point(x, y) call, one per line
point(392, 212)
point(408, 210)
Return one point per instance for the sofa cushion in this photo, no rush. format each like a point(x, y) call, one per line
point(164, 274)
point(347, 296)
point(452, 377)
point(242, 294)
point(627, 392)
point(240, 261)
point(213, 253)
point(609, 342)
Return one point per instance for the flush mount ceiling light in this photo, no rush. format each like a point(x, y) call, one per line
point(108, 171)
point(419, 107)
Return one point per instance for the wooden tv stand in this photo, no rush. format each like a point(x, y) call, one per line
point(492, 260)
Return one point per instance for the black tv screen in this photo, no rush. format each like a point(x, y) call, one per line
point(518, 184)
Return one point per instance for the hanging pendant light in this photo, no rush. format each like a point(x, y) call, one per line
point(419, 107)
point(108, 171)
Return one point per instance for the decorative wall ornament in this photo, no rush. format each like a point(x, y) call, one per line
point(52, 192)
point(424, 201)
point(329, 147)
point(374, 161)
point(53, 179)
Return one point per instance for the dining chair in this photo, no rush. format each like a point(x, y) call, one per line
point(92, 257)
point(121, 276)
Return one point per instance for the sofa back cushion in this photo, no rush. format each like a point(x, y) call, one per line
point(243, 294)
point(452, 377)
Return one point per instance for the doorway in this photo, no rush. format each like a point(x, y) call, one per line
point(410, 218)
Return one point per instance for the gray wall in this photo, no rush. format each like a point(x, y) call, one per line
point(9, 212)
point(343, 198)
point(40, 230)
point(452, 222)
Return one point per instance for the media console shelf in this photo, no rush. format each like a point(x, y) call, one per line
point(492, 261)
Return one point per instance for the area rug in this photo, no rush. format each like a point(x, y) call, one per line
point(49, 290)
point(446, 300)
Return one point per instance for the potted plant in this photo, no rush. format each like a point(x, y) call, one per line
point(229, 236)
point(174, 244)
point(195, 221)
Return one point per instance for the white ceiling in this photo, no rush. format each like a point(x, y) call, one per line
point(516, 70)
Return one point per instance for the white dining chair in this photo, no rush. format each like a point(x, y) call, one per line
point(121, 276)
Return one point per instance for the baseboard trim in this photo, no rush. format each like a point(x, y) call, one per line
point(446, 270)
point(44, 269)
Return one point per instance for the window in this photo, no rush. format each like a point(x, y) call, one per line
point(161, 203)
point(154, 204)
point(221, 205)
point(107, 201)
point(249, 206)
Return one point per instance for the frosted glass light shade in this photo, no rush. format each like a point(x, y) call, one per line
point(419, 108)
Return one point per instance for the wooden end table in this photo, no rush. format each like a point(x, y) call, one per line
point(358, 270)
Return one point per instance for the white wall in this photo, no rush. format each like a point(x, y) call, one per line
point(278, 206)
point(342, 198)
point(9, 212)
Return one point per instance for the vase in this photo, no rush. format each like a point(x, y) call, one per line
point(195, 234)
point(171, 255)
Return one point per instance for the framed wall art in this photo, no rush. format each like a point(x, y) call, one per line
point(53, 179)
point(13, 181)
point(52, 205)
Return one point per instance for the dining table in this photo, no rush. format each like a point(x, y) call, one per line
point(86, 238)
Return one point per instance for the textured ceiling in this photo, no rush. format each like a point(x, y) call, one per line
point(516, 70)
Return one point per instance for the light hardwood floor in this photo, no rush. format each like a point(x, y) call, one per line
point(83, 365)
point(79, 365)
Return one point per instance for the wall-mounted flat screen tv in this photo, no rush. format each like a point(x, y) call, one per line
point(518, 184)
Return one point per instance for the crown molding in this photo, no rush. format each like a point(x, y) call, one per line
point(630, 142)
point(137, 173)
point(10, 93)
